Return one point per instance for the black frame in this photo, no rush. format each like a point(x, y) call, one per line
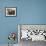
point(11, 15)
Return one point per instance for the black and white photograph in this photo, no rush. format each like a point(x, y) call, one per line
point(11, 11)
point(29, 34)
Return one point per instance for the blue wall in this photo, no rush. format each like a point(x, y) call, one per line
point(28, 12)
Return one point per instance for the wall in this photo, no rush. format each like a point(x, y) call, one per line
point(28, 12)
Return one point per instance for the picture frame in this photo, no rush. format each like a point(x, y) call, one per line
point(39, 28)
point(10, 11)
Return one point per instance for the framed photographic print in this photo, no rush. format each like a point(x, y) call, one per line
point(33, 32)
point(10, 11)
